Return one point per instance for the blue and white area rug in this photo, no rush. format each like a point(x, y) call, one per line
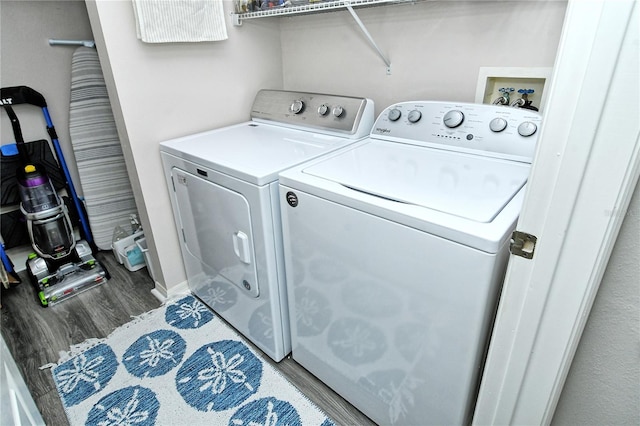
point(177, 365)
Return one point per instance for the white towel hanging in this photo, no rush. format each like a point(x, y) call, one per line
point(170, 21)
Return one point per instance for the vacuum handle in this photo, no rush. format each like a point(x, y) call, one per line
point(17, 95)
point(17, 134)
point(21, 95)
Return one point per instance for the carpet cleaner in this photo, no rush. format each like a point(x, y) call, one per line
point(60, 266)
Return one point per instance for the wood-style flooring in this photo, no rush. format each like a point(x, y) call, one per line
point(36, 335)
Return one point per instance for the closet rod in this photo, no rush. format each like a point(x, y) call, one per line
point(85, 43)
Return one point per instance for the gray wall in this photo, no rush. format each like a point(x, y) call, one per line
point(603, 385)
point(28, 60)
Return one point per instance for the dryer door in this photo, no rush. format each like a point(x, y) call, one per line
point(216, 228)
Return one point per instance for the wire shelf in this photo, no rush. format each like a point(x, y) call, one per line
point(317, 7)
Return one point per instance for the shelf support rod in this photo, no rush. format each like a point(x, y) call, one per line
point(366, 33)
point(85, 43)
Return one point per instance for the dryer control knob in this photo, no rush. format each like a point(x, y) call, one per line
point(453, 118)
point(414, 116)
point(323, 109)
point(338, 111)
point(498, 124)
point(297, 107)
point(394, 114)
point(527, 128)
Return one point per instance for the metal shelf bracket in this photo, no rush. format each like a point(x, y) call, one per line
point(368, 35)
point(324, 6)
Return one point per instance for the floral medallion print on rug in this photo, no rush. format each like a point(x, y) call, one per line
point(177, 365)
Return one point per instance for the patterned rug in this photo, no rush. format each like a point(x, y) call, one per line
point(177, 365)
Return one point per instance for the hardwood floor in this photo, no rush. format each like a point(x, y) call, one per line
point(36, 336)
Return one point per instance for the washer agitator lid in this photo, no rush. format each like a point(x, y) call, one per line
point(465, 185)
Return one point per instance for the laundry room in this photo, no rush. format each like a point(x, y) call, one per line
point(384, 52)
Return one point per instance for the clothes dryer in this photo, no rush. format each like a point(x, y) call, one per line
point(224, 193)
point(395, 252)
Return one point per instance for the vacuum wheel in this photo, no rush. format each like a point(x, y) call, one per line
point(43, 299)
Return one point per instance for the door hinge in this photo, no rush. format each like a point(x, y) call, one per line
point(523, 244)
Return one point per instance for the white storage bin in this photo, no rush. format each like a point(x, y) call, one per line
point(123, 246)
point(142, 245)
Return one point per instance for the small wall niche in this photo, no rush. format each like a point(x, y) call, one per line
point(491, 80)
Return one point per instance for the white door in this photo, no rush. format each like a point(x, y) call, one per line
point(583, 175)
point(16, 404)
point(216, 228)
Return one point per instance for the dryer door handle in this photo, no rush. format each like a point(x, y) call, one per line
point(241, 246)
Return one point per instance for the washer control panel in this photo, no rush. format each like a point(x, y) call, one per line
point(318, 112)
point(491, 130)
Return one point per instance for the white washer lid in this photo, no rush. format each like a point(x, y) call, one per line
point(253, 152)
point(466, 185)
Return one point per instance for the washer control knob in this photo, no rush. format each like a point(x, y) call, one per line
point(453, 118)
point(498, 124)
point(527, 128)
point(338, 111)
point(297, 106)
point(394, 114)
point(323, 109)
point(414, 116)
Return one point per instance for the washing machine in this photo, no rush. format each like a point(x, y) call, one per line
point(224, 193)
point(395, 252)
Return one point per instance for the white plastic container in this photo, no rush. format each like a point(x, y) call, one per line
point(142, 245)
point(122, 247)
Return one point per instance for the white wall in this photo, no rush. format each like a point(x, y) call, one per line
point(603, 385)
point(435, 47)
point(161, 91)
point(169, 90)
